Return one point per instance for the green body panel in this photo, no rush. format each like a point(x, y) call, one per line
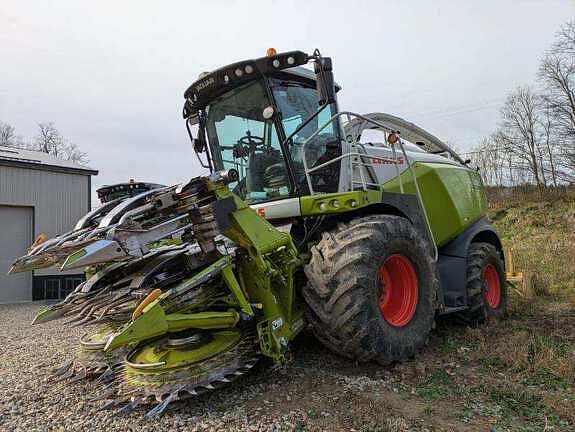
point(453, 197)
point(266, 275)
point(236, 289)
point(339, 202)
point(150, 324)
point(164, 357)
point(97, 339)
point(155, 322)
point(202, 320)
point(47, 314)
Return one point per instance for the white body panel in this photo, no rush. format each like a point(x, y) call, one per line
point(278, 209)
point(387, 170)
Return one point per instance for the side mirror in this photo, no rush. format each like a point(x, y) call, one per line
point(200, 142)
point(324, 80)
point(199, 145)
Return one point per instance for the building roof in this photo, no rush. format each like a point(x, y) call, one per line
point(39, 160)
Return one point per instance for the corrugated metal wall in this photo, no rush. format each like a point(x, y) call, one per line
point(59, 199)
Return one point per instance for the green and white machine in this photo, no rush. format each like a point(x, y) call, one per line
point(302, 221)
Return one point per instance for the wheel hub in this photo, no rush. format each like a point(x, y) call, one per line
point(493, 286)
point(399, 290)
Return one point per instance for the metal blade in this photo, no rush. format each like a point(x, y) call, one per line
point(99, 252)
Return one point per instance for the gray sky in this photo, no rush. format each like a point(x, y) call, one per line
point(111, 74)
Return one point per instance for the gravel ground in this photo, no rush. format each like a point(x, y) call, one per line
point(315, 391)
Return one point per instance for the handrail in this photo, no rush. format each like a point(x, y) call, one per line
point(357, 154)
point(335, 159)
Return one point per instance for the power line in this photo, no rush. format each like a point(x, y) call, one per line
point(448, 113)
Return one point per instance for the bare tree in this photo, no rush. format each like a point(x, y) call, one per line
point(73, 153)
point(536, 138)
point(520, 120)
point(565, 43)
point(8, 136)
point(550, 146)
point(496, 162)
point(49, 140)
point(557, 74)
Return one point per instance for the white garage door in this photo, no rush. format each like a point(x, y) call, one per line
point(15, 238)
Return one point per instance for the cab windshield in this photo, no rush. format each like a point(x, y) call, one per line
point(298, 102)
point(242, 139)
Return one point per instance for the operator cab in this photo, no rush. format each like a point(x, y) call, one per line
point(255, 117)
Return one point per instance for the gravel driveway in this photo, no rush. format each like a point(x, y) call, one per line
point(316, 391)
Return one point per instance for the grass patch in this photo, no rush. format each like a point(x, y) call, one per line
point(518, 402)
point(528, 406)
point(435, 385)
point(546, 379)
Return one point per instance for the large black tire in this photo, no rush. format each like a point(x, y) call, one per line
point(483, 259)
point(343, 290)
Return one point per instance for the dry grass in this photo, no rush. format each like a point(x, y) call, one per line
point(541, 236)
point(529, 358)
point(537, 351)
point(518, 373)
point(498, 195)
point(537, 342)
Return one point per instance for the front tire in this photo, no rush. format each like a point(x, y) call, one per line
point(371, 290)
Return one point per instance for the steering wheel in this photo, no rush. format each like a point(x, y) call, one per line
point(251, 141)
point(248, 144)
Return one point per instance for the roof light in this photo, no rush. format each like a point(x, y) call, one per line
point(249, 69)
point(239, 72)
point(268, 112)
point(276, 63)
point(271, 52)
point(290, 60)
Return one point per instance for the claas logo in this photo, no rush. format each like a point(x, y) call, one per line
point(397, 161)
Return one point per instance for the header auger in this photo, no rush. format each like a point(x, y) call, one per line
point(301, 222)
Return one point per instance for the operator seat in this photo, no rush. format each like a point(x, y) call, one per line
point(265, 170)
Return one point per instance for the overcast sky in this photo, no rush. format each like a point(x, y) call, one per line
point(111, 74)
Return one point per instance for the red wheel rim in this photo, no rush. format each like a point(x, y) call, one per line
point(399, 291)
point(493, 286)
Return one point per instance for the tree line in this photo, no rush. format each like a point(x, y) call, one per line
point(535, 139)
point(48, 139)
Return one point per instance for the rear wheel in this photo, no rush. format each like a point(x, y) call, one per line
point(371, 289)
point(486, 287)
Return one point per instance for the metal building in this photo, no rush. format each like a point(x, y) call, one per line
point(38, 194)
